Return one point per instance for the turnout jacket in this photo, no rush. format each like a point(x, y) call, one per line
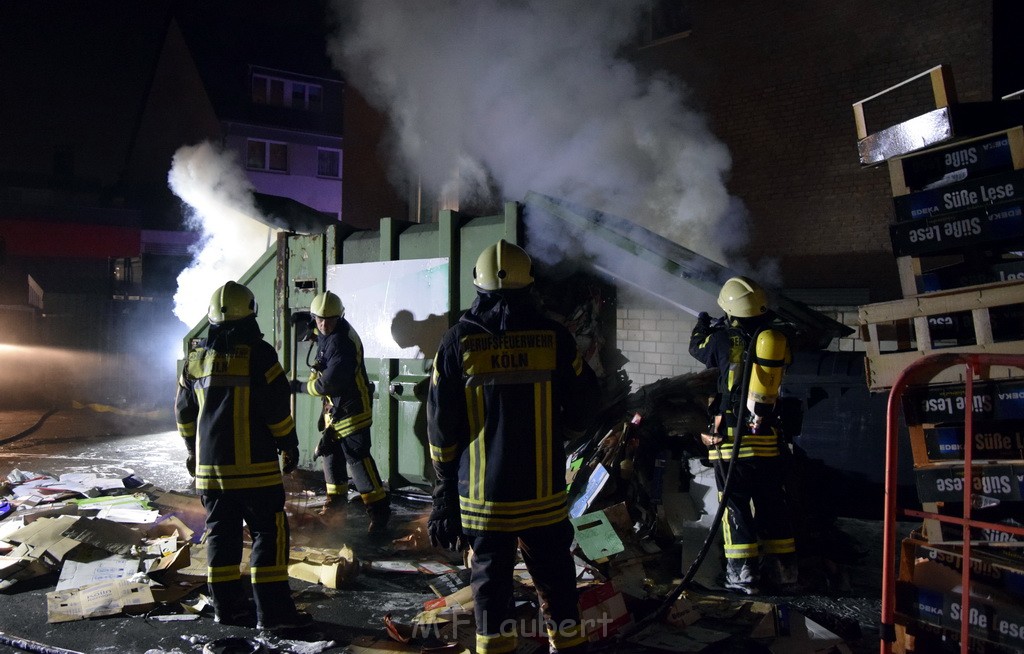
point(507, 388)
point(342, 382)
point(233, 408)
point(725, 348)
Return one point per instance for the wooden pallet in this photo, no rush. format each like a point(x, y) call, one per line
point(953, 272)
point(897, 333)
point(945, 121)
point(997, 152)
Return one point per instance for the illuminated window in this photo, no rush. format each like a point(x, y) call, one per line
point(280, 92)
point(328, 163)
point(266, 155)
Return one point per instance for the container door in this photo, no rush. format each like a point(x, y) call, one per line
point(400, 310)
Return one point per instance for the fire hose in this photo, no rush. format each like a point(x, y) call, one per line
point(26, 432)
point(33, 646)
point(698, 560)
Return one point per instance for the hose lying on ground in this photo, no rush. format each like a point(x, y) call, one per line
point(33, 646)
point(26, 432)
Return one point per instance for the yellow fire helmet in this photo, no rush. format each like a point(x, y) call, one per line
point(742, 298)
point(503, 266)
point(232, 301)
point(327, 305)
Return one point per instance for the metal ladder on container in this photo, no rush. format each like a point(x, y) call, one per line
point(919, 372)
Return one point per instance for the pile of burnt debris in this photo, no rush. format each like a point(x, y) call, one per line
point(641, 501)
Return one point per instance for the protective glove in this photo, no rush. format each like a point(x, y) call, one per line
point(444, 526)
point(327, 445)
point(289, 460)
point(703, 320)
point(297, 386)
point(190, 463)
point(314, 375)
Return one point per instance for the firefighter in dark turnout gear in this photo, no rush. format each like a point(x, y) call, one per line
point(508, 387)
point(338, 375)
point(233, 410)
point(757, 529)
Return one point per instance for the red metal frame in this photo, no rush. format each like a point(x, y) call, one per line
point(917, 373)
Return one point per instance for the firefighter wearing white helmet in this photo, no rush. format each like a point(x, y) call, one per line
point(503, 266)
point(507, 389)
point(746, 346)
point(338, 376)
point(233, 410)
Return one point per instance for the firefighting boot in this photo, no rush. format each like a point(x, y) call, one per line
point(379, 513)
point(741, 576)
point(780, 572)
point(333, 505)
point(232, 604)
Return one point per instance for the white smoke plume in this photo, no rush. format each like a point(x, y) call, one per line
point(536, 93)
point(220, 204)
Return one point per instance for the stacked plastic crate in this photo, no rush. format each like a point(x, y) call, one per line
point(957, 178)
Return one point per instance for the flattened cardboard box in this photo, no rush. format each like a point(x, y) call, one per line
point(107, 598)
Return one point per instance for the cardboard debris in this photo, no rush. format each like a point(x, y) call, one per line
point(129, 509)
point(603, 611)
point(595, 484)
point(186, 508)
point(450, 582)
point(596, 536)
point(664, 638)
point(682, 613)
point(20, 566)
point(170, 525)
point(411, 567)
point(93, 567)
point(111, 536)
point(330, 568)
point(96, 600)
point(127, 551)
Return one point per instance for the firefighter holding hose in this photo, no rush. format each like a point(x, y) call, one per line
point(745, 439)
point(338, 376)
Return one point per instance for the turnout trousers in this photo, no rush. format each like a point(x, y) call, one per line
point(352, 460)
point(546, 553)
point(756, 520)
point(262, 510)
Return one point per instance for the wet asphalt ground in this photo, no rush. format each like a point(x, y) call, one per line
point(83, 440)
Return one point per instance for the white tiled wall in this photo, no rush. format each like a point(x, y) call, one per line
point(655, 340)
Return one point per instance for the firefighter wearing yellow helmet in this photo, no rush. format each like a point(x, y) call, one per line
point(233, 410)
point(338, 376)
point(746, 346)
point(507, 389)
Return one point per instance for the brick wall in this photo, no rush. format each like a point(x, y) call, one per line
point(655, 339)
point(777, 82)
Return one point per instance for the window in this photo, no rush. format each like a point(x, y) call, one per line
point(328, 163)
point(266, 155)
point(279, 92)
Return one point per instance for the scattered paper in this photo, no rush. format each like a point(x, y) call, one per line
point(596, 536)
